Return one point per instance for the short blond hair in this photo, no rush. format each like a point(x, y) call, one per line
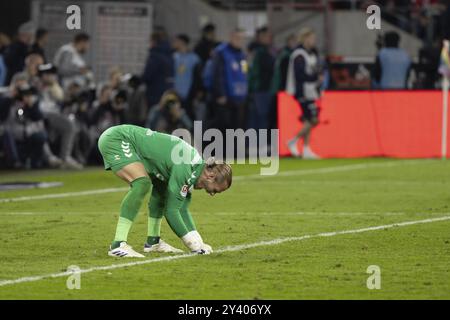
point(305, 33)
point(222, 169)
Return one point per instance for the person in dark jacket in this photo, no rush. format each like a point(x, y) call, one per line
point(16, 53)
point(229, 83)
point(7, 141)
point(158, 72)
point(41, 40)
point(207, 43)
point(260, 77)
point(30, 122)
point(280, 77)
point(281, 65)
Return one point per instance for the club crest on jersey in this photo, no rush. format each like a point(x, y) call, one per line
point(184, 190)
point(126, 149)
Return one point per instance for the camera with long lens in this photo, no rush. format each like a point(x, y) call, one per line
point(120, 96)
point(131, 80)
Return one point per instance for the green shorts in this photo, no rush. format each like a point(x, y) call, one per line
point(117, 150)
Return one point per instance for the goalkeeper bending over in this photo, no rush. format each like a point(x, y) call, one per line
point(142, 158)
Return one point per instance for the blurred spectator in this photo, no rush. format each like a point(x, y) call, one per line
point(445, 18)
point(229, 83)
point(32, 63)
point(282, 64)
point(303, 82)
point(137, 102)
point(207, 43)
point(115, 78)
point(27, 123)
point(158, 72)
point(392, 64)
point(60, 125)
point(3, 71)
point(165, 46)
point(280, 76)
point(7, 141)
point(429, 58)
point(108, 111)
point(4, 43)
point(77, 107)
point(40, 42)
point(260, 77)
point(169, 115)
point(187, 73)
point(70, 63)
point(16, 53)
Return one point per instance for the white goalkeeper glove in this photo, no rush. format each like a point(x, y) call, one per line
point(194, 242)
point(205, 249)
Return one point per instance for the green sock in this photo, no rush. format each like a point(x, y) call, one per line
point(123, 227)
point(115, 244)
point(153, 240)
point(154, 230)
point(130, 208)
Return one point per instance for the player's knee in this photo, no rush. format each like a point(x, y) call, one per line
point(142, 186)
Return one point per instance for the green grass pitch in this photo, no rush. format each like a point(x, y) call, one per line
point(46, 236)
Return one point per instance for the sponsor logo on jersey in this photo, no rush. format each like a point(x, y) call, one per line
point(126, 149)
point(184, 190)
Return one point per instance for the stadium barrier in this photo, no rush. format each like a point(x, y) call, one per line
point(354, 124)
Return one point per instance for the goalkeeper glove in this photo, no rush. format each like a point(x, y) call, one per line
point(194, 242)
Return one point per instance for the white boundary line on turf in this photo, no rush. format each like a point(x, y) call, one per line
point(332, 169)
point(223, 250)
point(63, 195)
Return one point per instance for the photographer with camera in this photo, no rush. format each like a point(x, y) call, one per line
point(27, 123)
point(109, 110)
point(7, 141)
point(168, 115)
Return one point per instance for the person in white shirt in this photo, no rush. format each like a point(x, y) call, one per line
point(70, 62)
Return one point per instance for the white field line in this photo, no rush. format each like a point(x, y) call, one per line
point(310, 213)
point(222, 250)
point(238, 178)
point(63, 195)
point(221, 213)
point(333, 169)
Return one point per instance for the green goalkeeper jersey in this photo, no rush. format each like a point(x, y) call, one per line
point(170, 161)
